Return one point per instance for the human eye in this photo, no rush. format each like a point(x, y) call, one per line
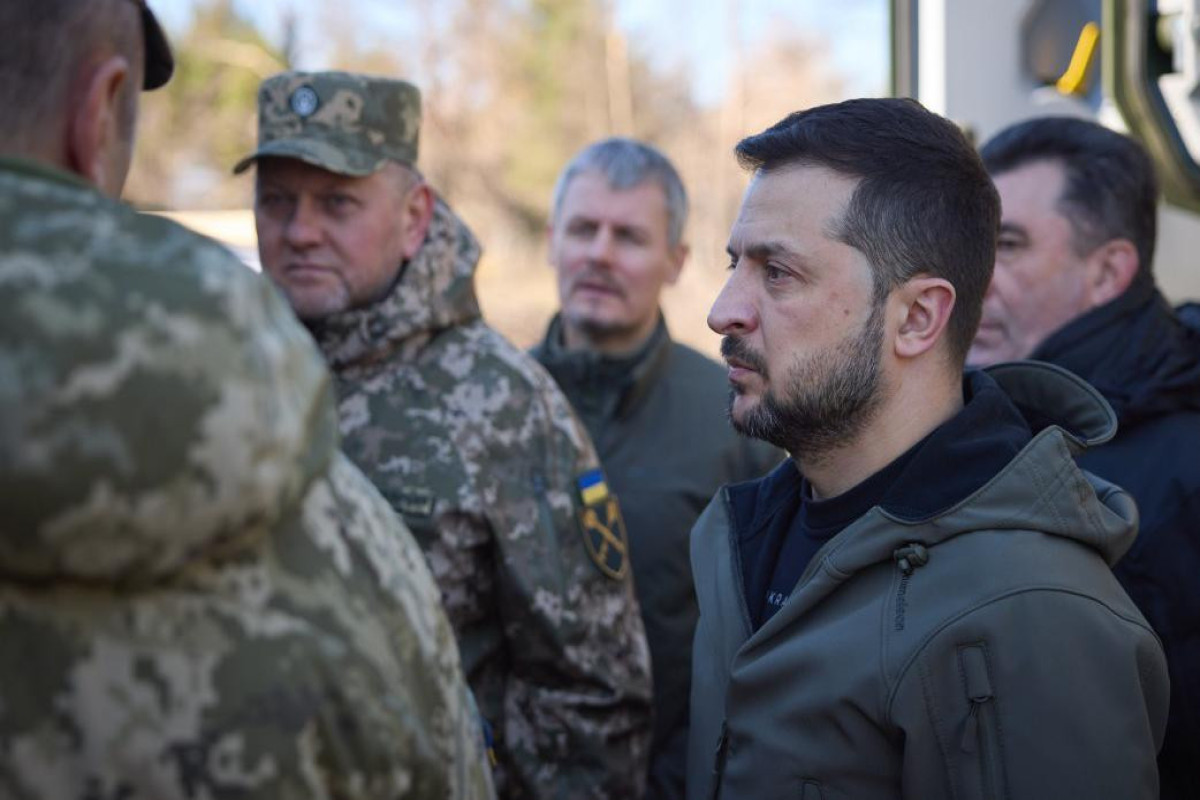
point(339, 203)
point(631, 236)
point(581, 228)
point(1011, 241)
point(273, 201)
point(775, 274)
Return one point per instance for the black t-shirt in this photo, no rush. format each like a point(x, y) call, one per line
point(816, 522)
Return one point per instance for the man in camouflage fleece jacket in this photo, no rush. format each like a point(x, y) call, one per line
point(199, 596)
point(466, 436)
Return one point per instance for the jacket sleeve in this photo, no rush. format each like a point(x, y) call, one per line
point(577, 710)
point(1043, 694)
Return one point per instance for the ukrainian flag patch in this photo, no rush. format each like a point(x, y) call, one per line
point(592, 488)
point(604, 535)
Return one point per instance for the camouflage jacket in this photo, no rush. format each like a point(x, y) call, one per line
point(199, 597)
point(470, 439)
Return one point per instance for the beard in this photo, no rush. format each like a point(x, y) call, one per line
point(826, 399)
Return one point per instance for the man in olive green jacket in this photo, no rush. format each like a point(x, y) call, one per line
point(654, 407)
point(919, 604)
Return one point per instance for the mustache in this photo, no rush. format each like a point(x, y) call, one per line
point(735, 348)
point(599, 277)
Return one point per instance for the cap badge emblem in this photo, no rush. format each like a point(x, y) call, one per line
point(304, 101)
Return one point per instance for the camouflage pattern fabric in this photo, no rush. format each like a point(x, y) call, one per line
point(199, 597)
point(469, 438)
point(346, 123)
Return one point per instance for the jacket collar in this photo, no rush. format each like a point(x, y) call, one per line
point(39, 169)
point(602, 385)
point(434, 291)
point(1064, 415)
point(1135, 350)
point(1039, 489)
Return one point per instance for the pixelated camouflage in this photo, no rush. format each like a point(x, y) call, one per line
point(199, 596)
point(346, 123)
point(469, 438)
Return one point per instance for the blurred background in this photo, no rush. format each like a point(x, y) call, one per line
point(512, 89)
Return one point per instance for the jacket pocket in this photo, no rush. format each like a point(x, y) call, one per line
point(980, 745)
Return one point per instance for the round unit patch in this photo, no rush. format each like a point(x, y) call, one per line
point(304, 101)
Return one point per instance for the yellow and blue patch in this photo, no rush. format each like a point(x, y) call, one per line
point(604, 534)
point(592, 488)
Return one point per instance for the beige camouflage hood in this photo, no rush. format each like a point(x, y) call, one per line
point(157, 405)
point(435, 291)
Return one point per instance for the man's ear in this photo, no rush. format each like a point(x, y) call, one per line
point(415, 217)
point(924, 306)
point(95, 124)
point(678, 257)
point(1111, 267)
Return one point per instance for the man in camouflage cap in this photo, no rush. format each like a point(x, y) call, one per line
point(465, 435)
point(199, 596)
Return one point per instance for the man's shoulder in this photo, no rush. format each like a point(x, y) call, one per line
point(72, 227)
point(476, 355)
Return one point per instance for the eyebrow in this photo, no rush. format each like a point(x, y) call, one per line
point(1012, 227)
point(761, 251)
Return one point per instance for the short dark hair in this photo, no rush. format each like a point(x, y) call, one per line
point(924, 203)
point(47, 40)
point(1110, 190)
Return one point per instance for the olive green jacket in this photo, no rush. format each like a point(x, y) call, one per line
point(199, 597)
point(985, 652)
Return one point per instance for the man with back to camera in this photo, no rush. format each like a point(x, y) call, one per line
point(654, 408)
point(919, 603)
point(466, 436)
point(199, 597)
point(1073, 286)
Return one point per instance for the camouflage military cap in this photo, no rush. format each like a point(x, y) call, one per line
point(345, 123)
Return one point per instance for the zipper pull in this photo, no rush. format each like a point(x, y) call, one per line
point(979, 691)
point(911, 556)
point(970, 737)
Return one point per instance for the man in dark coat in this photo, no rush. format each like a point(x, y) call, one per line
point(1073, 286)
point(654, 408)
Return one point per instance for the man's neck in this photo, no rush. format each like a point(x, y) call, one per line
point(615, 344)
point(910, 414)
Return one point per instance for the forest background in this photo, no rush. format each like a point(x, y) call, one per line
point(512, 89)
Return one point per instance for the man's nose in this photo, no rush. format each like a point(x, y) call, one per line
point(733, 312)
point(303, 227)
point(601, 246)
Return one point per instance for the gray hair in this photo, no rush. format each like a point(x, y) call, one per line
point(626, 163)
point(47, 40)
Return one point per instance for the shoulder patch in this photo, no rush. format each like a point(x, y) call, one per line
point(604, 535)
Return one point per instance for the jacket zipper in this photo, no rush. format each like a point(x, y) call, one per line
point(736, 563)
point(980, 735)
